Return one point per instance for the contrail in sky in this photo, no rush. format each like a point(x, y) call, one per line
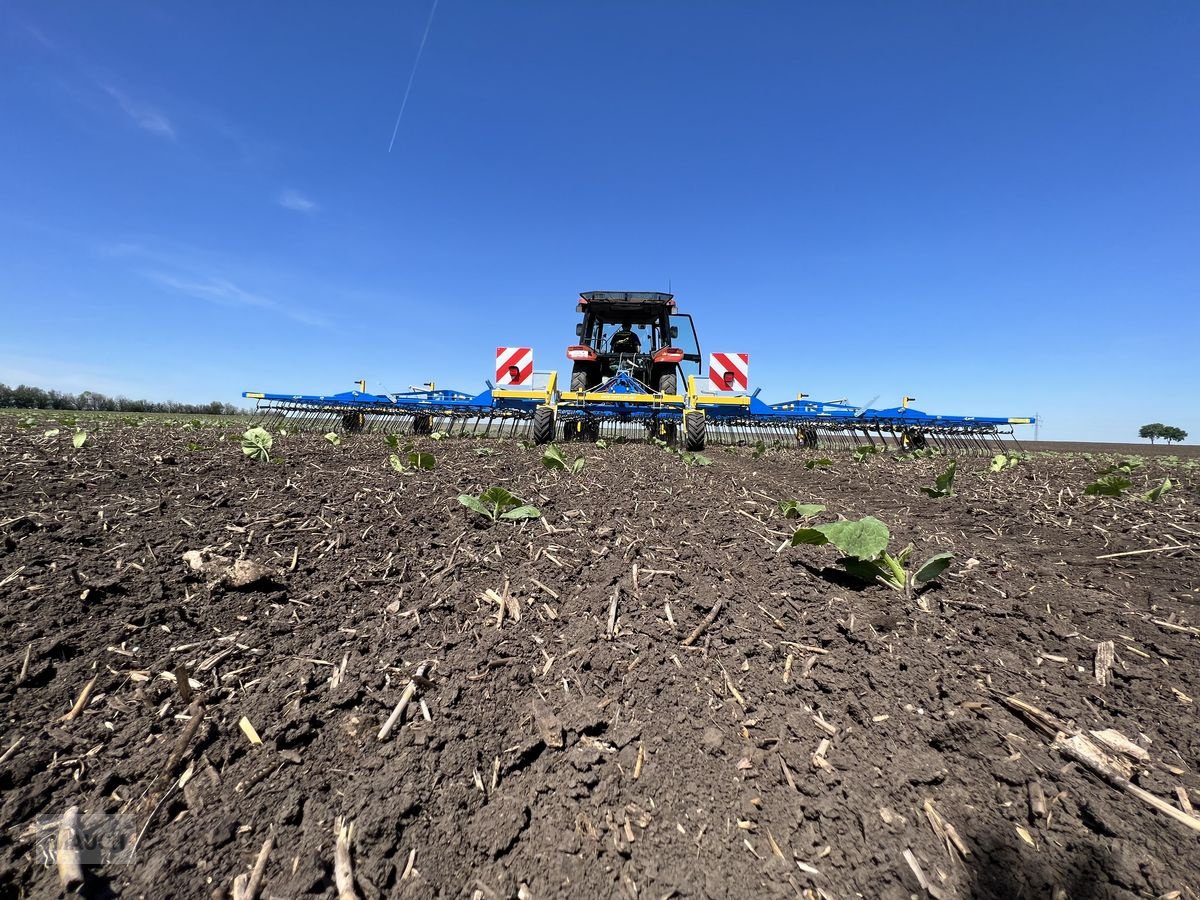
point(413, 74)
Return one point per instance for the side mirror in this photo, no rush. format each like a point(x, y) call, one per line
point(579, 329)
point(674, 331)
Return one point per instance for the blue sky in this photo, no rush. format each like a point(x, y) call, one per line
point(990, 207)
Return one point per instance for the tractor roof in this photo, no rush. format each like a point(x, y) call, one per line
point(633, 303)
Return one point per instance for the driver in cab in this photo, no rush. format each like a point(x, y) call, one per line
point(625, 340)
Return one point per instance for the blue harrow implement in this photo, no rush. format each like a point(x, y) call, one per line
point(630, 378)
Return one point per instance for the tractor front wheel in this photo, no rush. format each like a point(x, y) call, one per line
point(695, 431)
point(543, 425)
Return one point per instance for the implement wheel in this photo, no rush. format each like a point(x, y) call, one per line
point(423, 425)
point(353, 422)
point(695, 431)
point(543, 425)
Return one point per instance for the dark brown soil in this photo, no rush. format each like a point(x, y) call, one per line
point(803, 744)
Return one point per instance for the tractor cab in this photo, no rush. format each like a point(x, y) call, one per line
point(636, 332)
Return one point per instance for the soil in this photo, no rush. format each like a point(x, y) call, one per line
point(818, 738)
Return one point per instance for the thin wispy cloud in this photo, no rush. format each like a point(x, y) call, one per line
point(223, 292)
point(144, 116)
point(297, 202)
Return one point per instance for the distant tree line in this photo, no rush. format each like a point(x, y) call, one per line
point(1168, 433)
point(25, 397)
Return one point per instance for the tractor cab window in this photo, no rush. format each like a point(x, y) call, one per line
point(642, 340)
point(683, 336)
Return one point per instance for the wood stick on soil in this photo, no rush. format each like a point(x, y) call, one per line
point(405, 698)
point(196, 712)
point(612, 610)
point(1091, 757)
point(343, 871)
point(708, 620)
point(12, 749)
point(80, 703)
point(260, 866)
point(70, 872)
point(1140, 552)
point(1105, 655)
point(25, 664)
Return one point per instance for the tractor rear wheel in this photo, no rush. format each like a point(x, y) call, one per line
point(668, 383)
point(580, 376)
point(543, 425)
point(695, 431)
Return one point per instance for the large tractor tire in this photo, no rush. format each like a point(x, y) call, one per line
point(695, 431)
point(580, 377)
point(668, 383)
point(543, 425)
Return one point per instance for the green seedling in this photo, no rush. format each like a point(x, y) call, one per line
point(944, 486)
point(416, 460)
point(861, 453)
point(497, 503)
point(193, 446)
point(437, 435)
point(50, 433)
point(334, 438)
point(695, 459)
point(813, 463)
point(1108, 486)
point(759, 449)
point(553, 459)
point(1128, 467)
point(79, 438)
point(484, 451)
point(602, 444)
point(1152, 495)
point(794, 509)
point(1002, 461)
point(864, 544)
point(256, 444)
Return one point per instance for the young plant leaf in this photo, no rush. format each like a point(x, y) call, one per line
point(80, 438)
point(393, 441)
point(1108, 486)
point(944, 486)
point(49, 433)
point(865, 539)
point(793, 509)
point(553, 458)
point(334, 438)
point(521, 512)
point(932, 568)
point(472, 503)
point(813, 463)
point(421, 460)
point(577, 466)
point(602, 444)
point(257, 443)
point(1152, 496)
point(862, 569)
point(498, 496)
point(695, 459)
point(395, 463)
point(809, 536)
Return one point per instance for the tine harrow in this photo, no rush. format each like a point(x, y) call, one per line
point(617, 391)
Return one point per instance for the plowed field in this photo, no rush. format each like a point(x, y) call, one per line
point(644, 693)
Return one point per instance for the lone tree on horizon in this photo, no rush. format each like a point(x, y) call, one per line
point(1168, 433)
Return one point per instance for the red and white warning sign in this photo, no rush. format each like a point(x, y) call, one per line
point(514, 365)
point(728, 371)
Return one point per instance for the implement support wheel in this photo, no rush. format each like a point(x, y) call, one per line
point(353, 422)
point(423, 425)
point(695, 430)
point(543, 425)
